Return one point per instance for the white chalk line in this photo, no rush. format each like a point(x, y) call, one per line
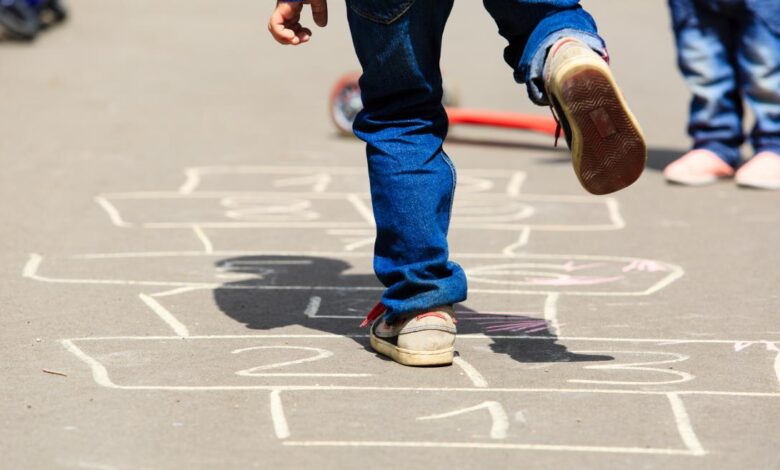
point(307, 169)
point(360, 206)
point(101, 377)
point(471, 372)
point(681, 376)
point(515, 185)
point(456, 225)
point(208, 247)
point(31, 267)
point(178, 328)
point(191, 181)
point(281, 428)
point(613, 209)
point(492, 446)
point(684, 426)
point(464, 255)
point(473, 336)
point(551, 313)
point(313, 306)
point(777, 367)
point(177, 291)
point(99, 372)
point(522, 240)
point(112, 211)
point(499, 426)
point(336, 195)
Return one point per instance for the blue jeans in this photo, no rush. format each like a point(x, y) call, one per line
point(729, 50)
point(403, 123)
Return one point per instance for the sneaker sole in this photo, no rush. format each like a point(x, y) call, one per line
point(608, 148)
point(407, 357)
point(758, 185)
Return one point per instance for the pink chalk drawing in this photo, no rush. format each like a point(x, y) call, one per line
point(567, 280)
point(645, 265)
point(493, 323)
point(572, 266)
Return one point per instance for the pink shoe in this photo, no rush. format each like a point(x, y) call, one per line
point(761, 172)
point(697, 168)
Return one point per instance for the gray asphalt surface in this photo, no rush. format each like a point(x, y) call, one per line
point(186, 241)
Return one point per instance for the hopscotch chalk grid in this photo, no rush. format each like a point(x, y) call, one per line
point(329, 208)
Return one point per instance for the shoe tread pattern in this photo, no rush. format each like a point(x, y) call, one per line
point(608, 163)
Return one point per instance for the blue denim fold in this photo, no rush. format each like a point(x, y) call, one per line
point(404, 124)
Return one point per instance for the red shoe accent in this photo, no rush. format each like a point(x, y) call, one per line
point(431, 314)
point(375, 313)
point(560, 43)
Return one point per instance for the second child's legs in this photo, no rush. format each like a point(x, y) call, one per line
point(758, 58)
point(706, 54)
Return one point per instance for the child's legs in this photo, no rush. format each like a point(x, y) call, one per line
point(706, 51)
point(759, 63)
point(532, 27)
point(404, 124)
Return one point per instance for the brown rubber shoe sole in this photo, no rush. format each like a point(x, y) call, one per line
point(608, 148)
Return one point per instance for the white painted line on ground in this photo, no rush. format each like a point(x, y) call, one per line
point(220, 224)
point(177, 291)
point(191, 181)
point(281, 428)
point(680, 376)
point(473, 336)
point(515, 185)
point(30, 269)
point(614, 213)
point(551, 313)
point(498, 429)
point(99, 372)
point(166, 316)
point(207, 246)
point(480, 445)
point(313, 307)
point(362, 208)
point(112, 211)
point(777, 366)
point(522, 240)
point(100, 375)
point(471, 372)
point(684, 426)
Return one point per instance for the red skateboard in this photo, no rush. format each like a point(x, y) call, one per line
point(345, 104)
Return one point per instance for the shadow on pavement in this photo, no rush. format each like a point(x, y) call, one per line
point(268, 292)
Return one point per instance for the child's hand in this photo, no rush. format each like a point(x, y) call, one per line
point(285, 25)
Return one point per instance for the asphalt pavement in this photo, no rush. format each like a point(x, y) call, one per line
point(186, 257)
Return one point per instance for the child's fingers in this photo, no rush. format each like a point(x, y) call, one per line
point(283, 22)
point(301, 35)
point(281, 33)
point(319, 10)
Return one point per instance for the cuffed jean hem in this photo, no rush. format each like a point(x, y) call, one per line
point(535, 77)
point(727, 153)
point(446, 292)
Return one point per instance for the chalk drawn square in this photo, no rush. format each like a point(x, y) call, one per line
point(245, 362)
point(327, 179)
point(485, 420)
point(516, 275)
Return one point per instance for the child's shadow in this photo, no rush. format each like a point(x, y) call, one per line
point(267, 292)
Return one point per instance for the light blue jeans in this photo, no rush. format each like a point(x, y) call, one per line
point(403, 123)
point(729, 50)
